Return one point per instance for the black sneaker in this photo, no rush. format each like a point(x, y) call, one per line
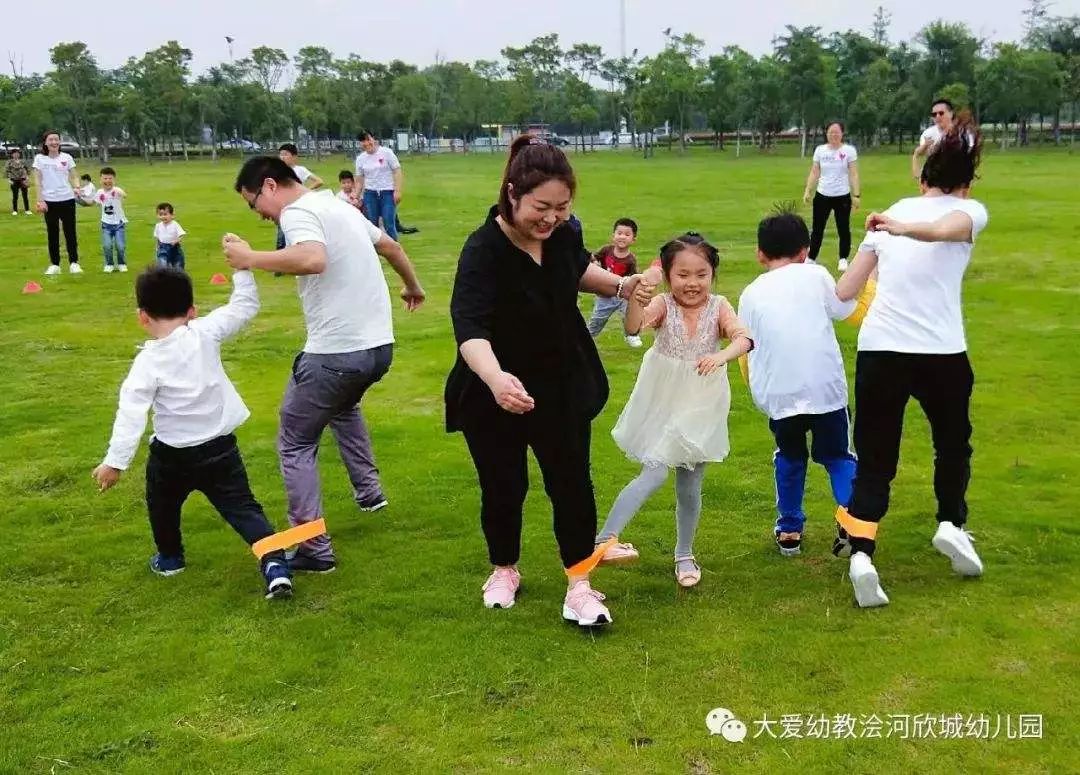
point(166, 566)
point(789, 544)
point(375, 504)
point(408, 230)
point(841, 545)
point(278, 580)
point(306, 564)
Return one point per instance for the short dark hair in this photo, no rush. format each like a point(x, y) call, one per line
point(345, 175)
point(164, 292)
point(692, 241)
point(85, 176)
point(629, 222)
point(290, 147)
point(782, 234)
point(364, 134)
point(259, 168)
point(166, 206)
point(532, 163)
point(107, 171)
point(954, 160)
point(945, 102)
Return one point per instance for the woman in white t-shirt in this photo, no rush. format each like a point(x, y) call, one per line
point(834, 176)
point(912, 345)
point(379, 176)
point(54, 173)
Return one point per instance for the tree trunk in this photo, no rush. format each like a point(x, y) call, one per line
point(213, 143)
point(802, 140)
point(183, 146)
point(1057, 125)
point(738, 142)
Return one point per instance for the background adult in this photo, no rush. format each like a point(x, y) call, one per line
point(943, 119)
point(834, 178)
point(54, 174)
point(379, 176)
point(17, 172)
point(334, 252)
point(527, 371)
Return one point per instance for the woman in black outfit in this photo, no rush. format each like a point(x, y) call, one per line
point(834, 178)
point(527, 372)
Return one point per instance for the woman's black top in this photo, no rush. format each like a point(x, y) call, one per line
point(529, 314)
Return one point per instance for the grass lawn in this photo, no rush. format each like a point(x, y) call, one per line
point(392, 664)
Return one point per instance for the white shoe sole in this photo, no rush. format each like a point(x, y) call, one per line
point(790, 552)
point(964, 560)
point(570, 616)
point(628, 560)
point(868, 591)
point(498, 606)
point(279, 588)
point(167, 573)
point(377, 507)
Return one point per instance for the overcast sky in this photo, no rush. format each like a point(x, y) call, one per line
point(465, 30)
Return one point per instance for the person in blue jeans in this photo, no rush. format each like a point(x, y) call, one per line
point(796, 372)
point(379, 176)
point(110, 198)
point(168, 234)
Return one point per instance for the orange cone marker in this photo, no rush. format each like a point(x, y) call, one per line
point(31, 287)
point(219, 279)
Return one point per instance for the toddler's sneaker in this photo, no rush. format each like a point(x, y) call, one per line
point(584, 605)
point(166, 566)
point(634, 341)
point(501, 587)
point(377, 503)
point(52, 270)
point(789, 544)
point(620, 554)
point(122, 267)
point(308, 564)
point(841, 265)
point(278, 580)
point(108, 268)
point(75, 268)
point(864, 579)
point(955, 543)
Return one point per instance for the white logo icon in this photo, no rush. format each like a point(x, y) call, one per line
point(722, 721)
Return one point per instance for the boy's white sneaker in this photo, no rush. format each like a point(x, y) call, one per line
point(864, 579)
point(122, 267)
point(633, 341)
point(108, 268)
point(75, 268)
point(52, 270)
point(955, 543)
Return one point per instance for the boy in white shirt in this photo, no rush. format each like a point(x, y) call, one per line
point(178, 374)
point(168, 232)
point(796, 372)
point(85, 192)
point(110, 198)
point(290, 154)
point(347, 192)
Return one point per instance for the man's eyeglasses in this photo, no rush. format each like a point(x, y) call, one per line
point(251, 204)
point(937, 113)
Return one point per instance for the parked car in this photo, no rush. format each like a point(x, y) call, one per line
point(237, 143)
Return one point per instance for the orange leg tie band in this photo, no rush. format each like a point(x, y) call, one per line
point(286, 538)
point(586, 566)
point(855, 526)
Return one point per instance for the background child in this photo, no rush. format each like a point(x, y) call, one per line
point(111, 200)
point(84, 194)
point(178, 374)
point(617, 259)
point(796, 372)
point(17, 172)
point(290, 154)
point(168, 233)
point(677, 414)
point(347, 192)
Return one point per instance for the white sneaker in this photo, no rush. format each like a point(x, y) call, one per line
point(955, 543)
point(14, 212)
point(841, 265)
point(29, 213)
point(633, 341)
point(53, 269)
point(864, 578)
point(122, 267)
point(108, 268)
point(75, 268)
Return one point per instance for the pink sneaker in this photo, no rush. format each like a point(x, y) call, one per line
point(500, 588)
point(620, 554)
point(583, 605)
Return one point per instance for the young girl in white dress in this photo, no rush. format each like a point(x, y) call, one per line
point(677, 414)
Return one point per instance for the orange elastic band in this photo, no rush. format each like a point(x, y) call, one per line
point(854, 526)
point(586, 566)
point(286, 538)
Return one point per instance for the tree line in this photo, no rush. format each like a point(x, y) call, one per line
point(880, 88)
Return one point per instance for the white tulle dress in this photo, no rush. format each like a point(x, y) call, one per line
point(676, 417)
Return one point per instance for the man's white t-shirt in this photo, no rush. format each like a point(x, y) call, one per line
point(55, 176)
point(346, 306)
point(112, 207)
point(377, 169)
point(168, 233)
point(834, 164)
point(932, 135)
point(302, 172)
point(916, 308)
point(795, 366)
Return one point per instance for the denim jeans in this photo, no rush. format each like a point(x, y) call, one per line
point(113, 236)
point(170, 255)
point(381, 204)
point(603, 310)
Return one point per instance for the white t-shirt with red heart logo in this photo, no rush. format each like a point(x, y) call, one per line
point(834, 164)
point(55, 176)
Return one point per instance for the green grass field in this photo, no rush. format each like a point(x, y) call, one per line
point(392, 664)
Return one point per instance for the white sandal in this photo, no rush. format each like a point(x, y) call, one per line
point(687, 578)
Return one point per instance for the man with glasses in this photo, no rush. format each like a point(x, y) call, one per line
point(943, 116)
point(334, 252)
